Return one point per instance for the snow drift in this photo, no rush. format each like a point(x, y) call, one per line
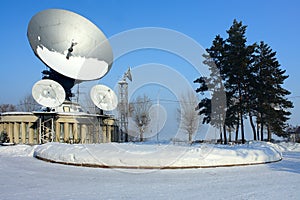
point(152, 156)
point(17, 150)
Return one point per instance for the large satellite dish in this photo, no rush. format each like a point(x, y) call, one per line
point(48, 93)
point(70, 44)
point(104, 97)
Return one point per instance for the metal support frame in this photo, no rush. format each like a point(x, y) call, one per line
point(46, 129)
point(123, 110)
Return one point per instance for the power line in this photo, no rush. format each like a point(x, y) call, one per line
point(162, 100)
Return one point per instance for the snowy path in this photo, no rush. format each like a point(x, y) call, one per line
point(29, 178)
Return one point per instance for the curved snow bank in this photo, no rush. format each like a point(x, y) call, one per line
point(151, 156)
point(288, 146)
point(17, 150)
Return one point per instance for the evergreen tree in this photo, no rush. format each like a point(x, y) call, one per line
point(238, 61)
point(213, 108)
point(232, 59)
point(251, 78)
point(271, 104)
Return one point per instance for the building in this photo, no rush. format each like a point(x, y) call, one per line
point(66, 127)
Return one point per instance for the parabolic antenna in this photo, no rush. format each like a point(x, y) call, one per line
point(70, 44)
point(104, 97)
point(48, 93)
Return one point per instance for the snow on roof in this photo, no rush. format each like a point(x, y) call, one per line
point(17, 113)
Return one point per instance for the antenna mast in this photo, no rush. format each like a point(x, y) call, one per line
point(124, 106)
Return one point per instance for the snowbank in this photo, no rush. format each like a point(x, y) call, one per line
point(17, 150)
point(288, 146)
point(138, 155)
point(132, 155)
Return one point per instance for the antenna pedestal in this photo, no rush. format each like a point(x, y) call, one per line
point(66, 82)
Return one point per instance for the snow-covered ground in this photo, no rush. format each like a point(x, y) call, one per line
point(25, 177)
point(136, 155)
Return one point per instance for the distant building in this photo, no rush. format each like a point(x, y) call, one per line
point(294, 134)
point(65, 127)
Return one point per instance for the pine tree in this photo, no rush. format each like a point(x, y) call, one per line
point(272, 106)
point(238, 61)
point(232, 58)
point(213, 108)
point(251, 78)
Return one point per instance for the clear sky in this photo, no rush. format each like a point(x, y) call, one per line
point(275, 22)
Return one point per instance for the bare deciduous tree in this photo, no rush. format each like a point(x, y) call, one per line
point(28, 104)
point(7, 108)
point(187, 115)
point(88, 105)
point(139, 111)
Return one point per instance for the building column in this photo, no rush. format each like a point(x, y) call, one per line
point(75, 132)
point(104, 130)
point(1, 127)
point(5, 128)
point(83, 133)
point(31, 132)
point(23, 132)
point(10, 131)
point(66, 132)
point(109, 133)
point(108, 123)
point(16, 132)
point(57, 132)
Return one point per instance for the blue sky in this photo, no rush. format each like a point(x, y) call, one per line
point(275, 22)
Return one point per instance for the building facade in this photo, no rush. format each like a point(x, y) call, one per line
point(41, 127)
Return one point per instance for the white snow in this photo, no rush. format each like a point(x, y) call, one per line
point(135, 155)
point(17, 150)
point(16, 113)
point(288, 146)
point(25, 177)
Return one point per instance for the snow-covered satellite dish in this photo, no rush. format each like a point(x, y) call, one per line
point(48, 93)
point(104, 97)
point(70, 44)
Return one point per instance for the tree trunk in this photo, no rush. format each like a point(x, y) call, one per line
point(262, 130)
point(241, 112)
point(190, 138)
point(257, 129)
point(221, 137)
point(242, 129)
point(224, 132)
point(269, 134)
point(237, 131)
point(141, 135)
point(252, 126)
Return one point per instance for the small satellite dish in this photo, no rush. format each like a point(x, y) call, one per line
point(104, 97)
point(70, 44)
point(48, 93)
point(127, 75)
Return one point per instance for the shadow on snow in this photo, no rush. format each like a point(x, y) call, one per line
point(289, 163)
